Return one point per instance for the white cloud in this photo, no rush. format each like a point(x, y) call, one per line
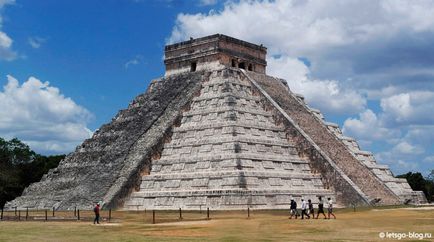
point(6, 52)
point(395, 161)
point(411, 107)
point(36, 42)
point(41, 116)
point(134, 61)
point(407, 149)
point(207, 2)
point(5, 41)
point(416, 15)
point(368, 127)
point(301, 27)
point(292, 69)
point(350, 41)
point(5, 2)
point(429, 159)
point(327, 95)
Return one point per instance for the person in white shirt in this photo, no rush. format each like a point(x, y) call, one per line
point(303, 209)
point(330, 208)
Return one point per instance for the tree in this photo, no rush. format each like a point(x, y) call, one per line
point(418, 183)
point(20, 166)
point(430, 186)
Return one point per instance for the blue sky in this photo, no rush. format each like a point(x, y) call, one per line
point(86, 46)
point(67, 67)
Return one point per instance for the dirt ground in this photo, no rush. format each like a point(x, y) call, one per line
point(365, 224)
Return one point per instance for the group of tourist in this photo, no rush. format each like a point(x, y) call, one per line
point(308, 211)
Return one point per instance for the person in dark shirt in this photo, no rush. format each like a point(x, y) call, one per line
point(293, 209)
point(310, 211)
point(96, 211)
point(320, 208)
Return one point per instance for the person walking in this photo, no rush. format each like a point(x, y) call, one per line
point(304, 209)
point(293, 209)
point(320, 208)
point(330, 208)
point(96, 211)
point(310, 210)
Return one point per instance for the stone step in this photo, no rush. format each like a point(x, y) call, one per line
point(233, 81)
point(229, 182)
point(226, 88)
point(193, 131)
point(233, 191)
point(224, 96)
point(230, 165)
point(236, 173)
point(229, 139)
point(227, 109)
point(230, 156)
point(224, 200)
point(241, 124)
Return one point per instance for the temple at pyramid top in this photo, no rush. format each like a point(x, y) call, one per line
point(213, 52)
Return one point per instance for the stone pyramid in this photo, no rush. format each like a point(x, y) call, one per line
point(216, 132)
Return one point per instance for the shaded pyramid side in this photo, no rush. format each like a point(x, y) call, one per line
point(227, 153)
point(107, 166)
point(375, 181)
point(399, 186)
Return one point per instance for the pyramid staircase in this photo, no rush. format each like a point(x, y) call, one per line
point(227, 153)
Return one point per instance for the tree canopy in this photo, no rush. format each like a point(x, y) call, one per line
point(20, 166)
point(419, 183)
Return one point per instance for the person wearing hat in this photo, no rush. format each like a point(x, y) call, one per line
point(96, 211)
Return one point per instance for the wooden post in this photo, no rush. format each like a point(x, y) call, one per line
point(110, 214)
point(78, 214)
point(53, 211)
point(19, 215)
point(248, 212)
point(207, 213)
point(153, 216)
point(46, 214)
point(1, 218)
point(180, 213)
point(27, 213)
point(75, 211)
point(15, 211)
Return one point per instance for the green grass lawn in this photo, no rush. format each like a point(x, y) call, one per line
point(362, 225)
